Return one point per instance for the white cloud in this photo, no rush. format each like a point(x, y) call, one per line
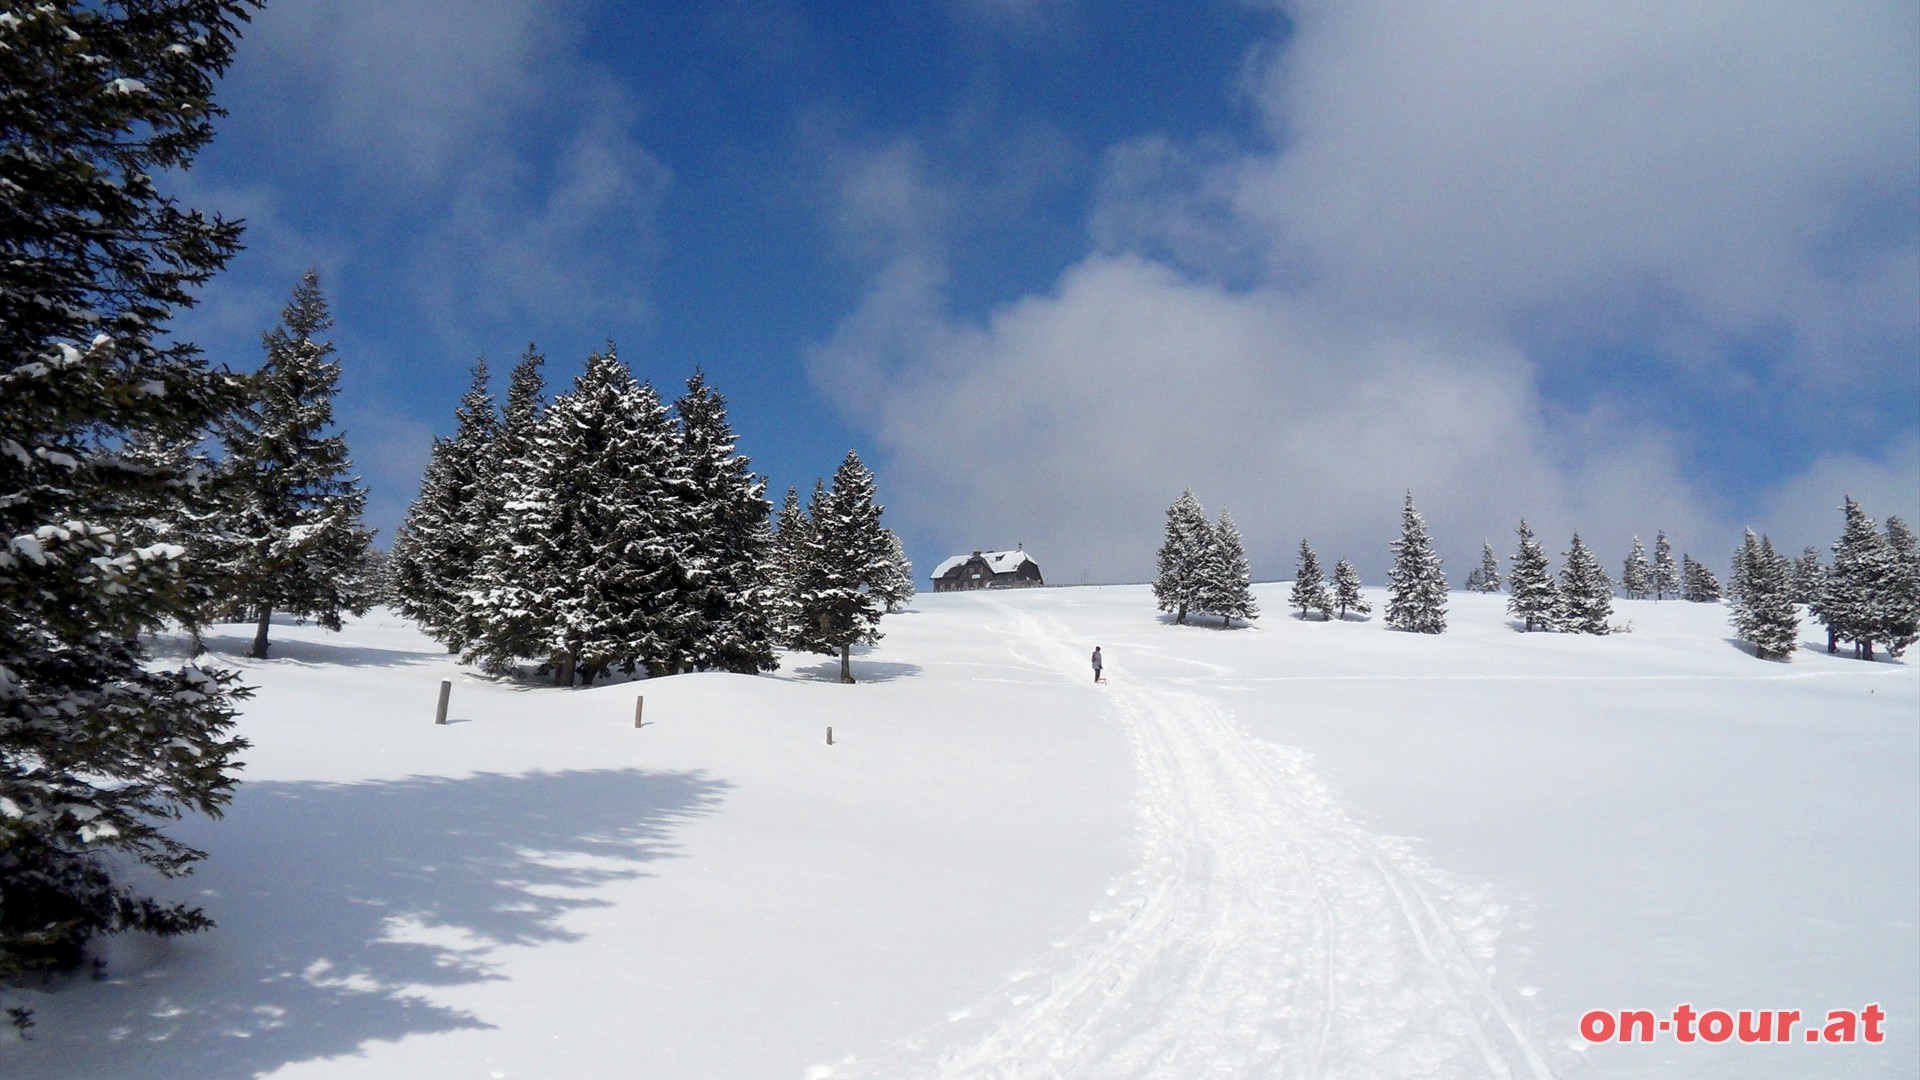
point(1302, 332)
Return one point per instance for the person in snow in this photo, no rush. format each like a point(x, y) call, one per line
point(1096, 665)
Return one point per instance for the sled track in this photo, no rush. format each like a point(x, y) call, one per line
point(1263, 933)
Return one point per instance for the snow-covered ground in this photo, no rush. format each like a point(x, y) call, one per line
point(1300, 850)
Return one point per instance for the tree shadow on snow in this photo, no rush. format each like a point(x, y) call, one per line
point(320, 652)
point(1202, 622)
point(337, 903)
point(866, 671)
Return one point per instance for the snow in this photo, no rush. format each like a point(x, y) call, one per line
point(1303, 849)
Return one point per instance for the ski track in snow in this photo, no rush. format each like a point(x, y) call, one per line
point(1263, 934)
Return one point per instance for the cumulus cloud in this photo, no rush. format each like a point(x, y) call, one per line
point(1447, 211)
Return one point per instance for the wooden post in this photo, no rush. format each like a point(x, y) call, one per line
point(639, 702)
point(829, 734)
point(446, 691)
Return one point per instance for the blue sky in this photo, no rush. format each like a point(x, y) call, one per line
point(1614, 267)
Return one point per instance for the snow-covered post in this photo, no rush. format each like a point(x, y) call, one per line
point(639, 703)
point(829, 734)
point(446, 692)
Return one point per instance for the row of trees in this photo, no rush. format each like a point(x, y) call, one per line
point(605, 531)
point(1870, 595)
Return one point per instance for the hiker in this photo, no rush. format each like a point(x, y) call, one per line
point(1096, 665)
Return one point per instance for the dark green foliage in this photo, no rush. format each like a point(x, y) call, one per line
point(100, 747)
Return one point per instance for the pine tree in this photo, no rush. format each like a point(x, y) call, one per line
point(1485, 578)
point(1586, 595)
point(1187, 554)
point(1535, 598)
point(1902, 605)
point(1809, 577)
point(728, 543)
point(1697, 583)
point(846, 552)
point(1346, 590)
point(1636, 575)
point(1765, 614)
point(437, 549)
point(510, 456)
point(99, 745)
point(1310, 592)
point(1229, 590)
point(1416, 587)
point(297, 537)
point(1666, 577)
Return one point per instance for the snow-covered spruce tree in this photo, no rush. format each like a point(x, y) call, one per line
point(1666, 576)
point(1809, 576)
point(1229, 587)
point(512, 451)
point(787, 560)
point(727, 547)
point(437, 548)
point(1416, 585)
point(1854, 605)
point(296, 539)
point(1535, 598)
point(1744, 558)
point(1902, 605)
point(897, 589)
point(1765, 615)
point(1697, 583)
point(846, 552)
point(1310, 592)
point(1586, 596)
point(99, 746)
point(1636, 574)
point(1346, 590)
point(1185, 555)
point(1485, 578)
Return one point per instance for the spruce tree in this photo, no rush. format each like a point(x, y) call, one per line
point(100, 746)
point(1229, 590)
point(1855, 602)
point(1764, 615)
point(1809, 577)
point(1586, 596)
point(787, 566)
point(727, 547)
point(1485, 578)
point(1188, 552)
point(1636, 574)
point(846, 552)
point(436, 551)
point(897, 589)
point(1310, 591)
point(1416, 585)
point(296, 540)
point(1902, 604)
point(1697, 583)
point(1666, 577)
point(1346, 590)
point(1535, 598)
point(1744, 560)
point(510, 456)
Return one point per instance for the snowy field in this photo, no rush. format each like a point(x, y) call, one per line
point(1303, 850)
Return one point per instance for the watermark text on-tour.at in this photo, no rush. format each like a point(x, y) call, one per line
point(1689, 1025)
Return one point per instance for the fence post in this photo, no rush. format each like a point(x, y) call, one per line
point(829, 734)
point(446, 691)
point(639, 703)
